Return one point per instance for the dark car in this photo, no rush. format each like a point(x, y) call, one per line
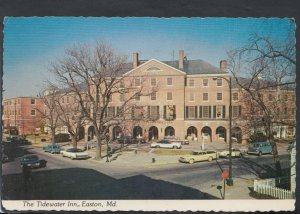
point(52, 148)
point(19, 140)
point(61, 137)
point(32, 161)
point(125, 140)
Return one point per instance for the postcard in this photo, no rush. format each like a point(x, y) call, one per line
point(149, 114)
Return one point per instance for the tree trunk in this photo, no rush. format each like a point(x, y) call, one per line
point(53, 136)
point(276, 157)
point(74, 141)
point(98, 148)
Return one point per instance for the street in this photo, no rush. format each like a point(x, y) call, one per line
point(129, 177)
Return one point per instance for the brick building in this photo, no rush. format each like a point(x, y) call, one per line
point(21, 115)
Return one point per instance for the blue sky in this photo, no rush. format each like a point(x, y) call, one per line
point(30, 44)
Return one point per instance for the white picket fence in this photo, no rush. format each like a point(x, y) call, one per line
point(267, 187)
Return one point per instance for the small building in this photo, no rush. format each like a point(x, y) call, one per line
point(22, 115)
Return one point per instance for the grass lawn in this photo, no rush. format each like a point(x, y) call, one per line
point(172, 152)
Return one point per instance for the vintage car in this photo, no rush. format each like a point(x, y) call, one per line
point(176, 139)
point(52, 148)
point(32, 161)
point(166, 144)
point(200, 155)
point(75, 154)
point(234, 153)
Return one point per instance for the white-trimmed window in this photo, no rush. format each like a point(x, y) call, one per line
point(32, 113)
point(219, 96)
point(270, 97)
point(205, 111)
point(235, 96)
point(169, 96)
point(192, 96)
point(137, 82)
point(153, 81)
point(205, 82)
point(219, 82)
point(169, 81)
point(153, 96)
point(191, 83)
point(32, 101)
point(236, 111)
point(205, 96)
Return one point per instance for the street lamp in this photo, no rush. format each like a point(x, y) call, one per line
point(230, 179)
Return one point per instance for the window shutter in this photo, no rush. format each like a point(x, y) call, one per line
point(240, 110)
point(209, 113)
point(165, 111)
point(187, 112)
point(157, 111)
point(148, 111)
point(174, 112)
point(200, 111)
point(196, 112)
point(224, 111)
point(214, 111)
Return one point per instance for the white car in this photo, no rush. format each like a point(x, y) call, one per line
point(234, 153)
point(75, 154)
point(166, 144)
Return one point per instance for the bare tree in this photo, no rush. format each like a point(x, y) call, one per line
point(50, 113)
point(265, 67)
point(70, 114)
point(100, 71)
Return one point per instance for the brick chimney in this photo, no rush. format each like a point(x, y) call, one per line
point(135, 60)
point(180, 59)
point(223, 65)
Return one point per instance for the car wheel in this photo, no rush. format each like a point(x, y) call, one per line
point(227, 156)
point(240, 155)
point(259, 154)
point(157, 147)
point(191, 161)
point(175, 147)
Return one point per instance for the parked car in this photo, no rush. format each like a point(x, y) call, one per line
point(20, 140)
point(75, 154)
point(166, 144)
point(33, 161)
point(130, 140)
point(125, 140)
point(52, 148)
point(260, 148)
point(234, 153)
point(175, 139)
point(200, 155)
point(61, 137)
point(4, 158)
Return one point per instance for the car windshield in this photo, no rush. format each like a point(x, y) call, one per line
point(254, 145)
point(29, 158)
point(195, 153)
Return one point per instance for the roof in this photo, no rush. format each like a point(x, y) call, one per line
point(191, 67)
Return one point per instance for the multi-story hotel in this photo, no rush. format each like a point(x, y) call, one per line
point(191, 100)
point(22, 115)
